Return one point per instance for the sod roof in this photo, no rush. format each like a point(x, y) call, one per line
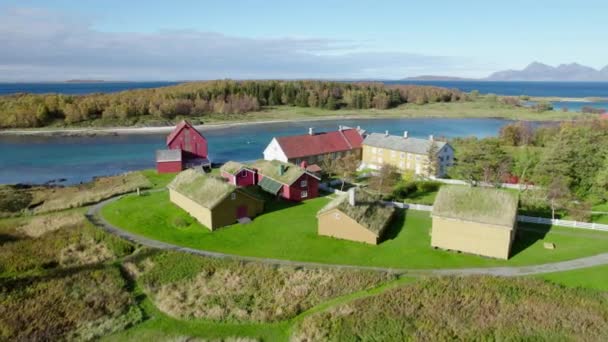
point(270, 168)
point(368, 211)
point(207, 191)
point(233, 167)
point(482, 205)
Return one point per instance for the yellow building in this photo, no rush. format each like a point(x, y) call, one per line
point(357, 217)
point(475, 220)
point(405, 153)
point(213, 201)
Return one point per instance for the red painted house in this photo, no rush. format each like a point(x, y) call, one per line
point(192, 147)
point(239, 174)
point(284, 180)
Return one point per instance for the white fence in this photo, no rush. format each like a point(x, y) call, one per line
point(563, 223)
point(520, 218)
point(503, 185)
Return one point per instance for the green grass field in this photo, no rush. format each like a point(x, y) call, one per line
point(288, 231)
point(591, 278)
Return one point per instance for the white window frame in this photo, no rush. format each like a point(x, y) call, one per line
point(233, 196)
point(304, 194)
point(303, 183)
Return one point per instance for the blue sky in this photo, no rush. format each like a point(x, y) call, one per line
point(176, 39)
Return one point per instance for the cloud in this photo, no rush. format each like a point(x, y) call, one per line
point(44, 45)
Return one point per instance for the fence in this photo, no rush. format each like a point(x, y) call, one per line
point(563, 223)
point(520, 218)
point(503, 185)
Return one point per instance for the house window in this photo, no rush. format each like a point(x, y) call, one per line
point(298, 161)
point(393, 154)
point(337, 216)
point(380, 160)
point(303, 184)
point(402, 155)
point(379, 150)
point(401, 165)
point(243, 173)
point(233, 196)
point(409, 156)
point(304, 194)
point(374, 150)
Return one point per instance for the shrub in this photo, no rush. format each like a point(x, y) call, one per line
point(428, 186)
point(14, 200)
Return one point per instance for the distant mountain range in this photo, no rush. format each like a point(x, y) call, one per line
point(535, 72)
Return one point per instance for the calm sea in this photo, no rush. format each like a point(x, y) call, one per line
point(560, 89)
point(37, 159)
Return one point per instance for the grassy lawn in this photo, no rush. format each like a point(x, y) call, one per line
point(288, 231)
point(591, 278)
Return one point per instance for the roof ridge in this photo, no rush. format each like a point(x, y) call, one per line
point(345, 139)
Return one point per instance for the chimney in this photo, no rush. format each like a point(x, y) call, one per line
point(340, 127)
point(431, 137)
point(351, 197)
point(303, 165)
point(311, 131)
point(281, 169)
point(386, 133)
point(405, 134)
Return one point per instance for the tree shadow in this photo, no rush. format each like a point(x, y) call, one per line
point(396, 225)
point(5, 238)
point(528, 234)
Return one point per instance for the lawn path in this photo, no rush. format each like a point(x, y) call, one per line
point(93, 214)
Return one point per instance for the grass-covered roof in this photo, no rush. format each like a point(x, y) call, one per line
point(270, 168)
point(205, 190)
point(233, 167)
point(483, 205)
point(368, 210)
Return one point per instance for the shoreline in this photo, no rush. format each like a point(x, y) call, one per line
point(99, 131)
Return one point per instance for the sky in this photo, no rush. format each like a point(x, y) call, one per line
point(194, 40)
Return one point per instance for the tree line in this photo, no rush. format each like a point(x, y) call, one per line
point(569, 161)
point(198, 99)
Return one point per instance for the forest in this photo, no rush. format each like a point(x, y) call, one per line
point(197, 99)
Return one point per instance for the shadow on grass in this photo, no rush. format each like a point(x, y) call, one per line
point(396, 225)
point(4, 238)
point(527, 235)
point(278, 204)
point(60, 272)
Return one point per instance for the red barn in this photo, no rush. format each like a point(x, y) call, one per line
point(192, 147)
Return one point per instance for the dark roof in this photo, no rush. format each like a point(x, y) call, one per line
point(305, 145)
point(180, 126)
point(482, 205)
point(168, 155)
point(270, 185)
point(397, 143)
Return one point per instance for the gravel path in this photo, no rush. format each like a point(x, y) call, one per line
point(601, 259)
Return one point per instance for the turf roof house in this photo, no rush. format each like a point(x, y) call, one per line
point(211, 200)
point(356, 216)
point(405, 153)
point(285, 180)
point(186, 147)
point(475, 220)
point(313, 147)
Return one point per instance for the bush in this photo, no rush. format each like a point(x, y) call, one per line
point(14, 200)
point(428, 186)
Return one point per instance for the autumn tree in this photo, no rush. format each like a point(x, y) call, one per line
point(385, 179)
point(432, 165)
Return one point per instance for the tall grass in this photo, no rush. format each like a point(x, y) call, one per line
point(469, 309)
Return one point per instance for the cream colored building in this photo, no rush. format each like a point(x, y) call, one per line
point(212, 201)
point(479, 221)
point(405, 153)
point(356, 217)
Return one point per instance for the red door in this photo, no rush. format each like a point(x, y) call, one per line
point(241, 212)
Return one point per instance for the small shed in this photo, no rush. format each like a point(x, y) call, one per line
point(168, 161)
point(238, 174)
point(213, 201)
point(475, 220)
point(356, 216)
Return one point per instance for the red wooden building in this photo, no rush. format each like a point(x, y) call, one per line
point(186, 147)
point(285, 180)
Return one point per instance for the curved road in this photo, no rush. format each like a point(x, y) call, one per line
point(95, 217)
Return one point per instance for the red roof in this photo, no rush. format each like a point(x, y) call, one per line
point(604, 116)
point(178, 129)
point(305, 145)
